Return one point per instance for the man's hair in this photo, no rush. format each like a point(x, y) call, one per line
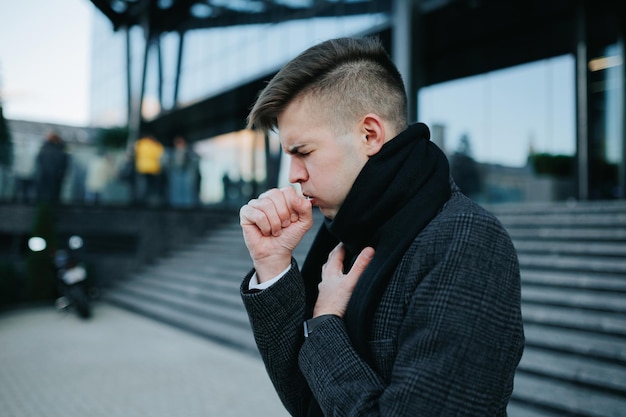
point(349, 77)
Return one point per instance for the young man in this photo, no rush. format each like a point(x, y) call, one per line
point(410, 293)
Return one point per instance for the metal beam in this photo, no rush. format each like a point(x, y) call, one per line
point(179, 63)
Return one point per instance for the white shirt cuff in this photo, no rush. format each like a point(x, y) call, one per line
point(255, 285)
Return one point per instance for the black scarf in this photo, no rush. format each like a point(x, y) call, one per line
point(396, 194)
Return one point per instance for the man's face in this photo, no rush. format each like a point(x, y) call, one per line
point(324, 163)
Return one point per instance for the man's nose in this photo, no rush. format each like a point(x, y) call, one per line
point(297, 171)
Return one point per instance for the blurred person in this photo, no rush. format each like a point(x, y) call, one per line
point(229, 188)
point(6, 155)
point(149, 153)
point(51, 166)
point(100, 172)
point(183, 167)
point(24, 168)
point(408, 302)
point(126, 171)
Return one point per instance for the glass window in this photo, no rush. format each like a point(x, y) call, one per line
point(509, 134)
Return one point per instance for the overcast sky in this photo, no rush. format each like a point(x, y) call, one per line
point(44, 60)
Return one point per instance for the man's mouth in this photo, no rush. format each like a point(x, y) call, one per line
point(310, 198)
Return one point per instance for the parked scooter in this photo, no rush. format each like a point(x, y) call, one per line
point(72, 284)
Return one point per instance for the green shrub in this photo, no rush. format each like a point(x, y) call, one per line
point(9, 284)
point(554, 165)
point(40, 274)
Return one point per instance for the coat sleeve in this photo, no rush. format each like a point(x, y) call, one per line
point(276, 315)
point(458, 342)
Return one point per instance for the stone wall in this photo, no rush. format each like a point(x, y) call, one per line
point(117, 241)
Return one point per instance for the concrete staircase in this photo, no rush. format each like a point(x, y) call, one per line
point(196, 288)
point(573, 262)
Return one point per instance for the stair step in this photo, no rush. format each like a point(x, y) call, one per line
point(206, 293)
point(205, 263)
point(219, 331)
point(546, 246)
point(574, 263)
point(616, 219)
point(574, 279)
point(601, 301)
point(568, 233)
point(195, 307)
point(208, 263)
point(586, 320)
point(227, 282)
point(523, 409)
point(214, 252)
point(587, 344)
point(575, 369)
point(607, 207)
point(566, 397)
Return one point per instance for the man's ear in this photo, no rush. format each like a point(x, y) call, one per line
point(373, 131)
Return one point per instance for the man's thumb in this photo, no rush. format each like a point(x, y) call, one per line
point(302, 207)
point(363, 260)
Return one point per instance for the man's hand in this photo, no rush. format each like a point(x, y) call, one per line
point(273, 225)
point(336, 287)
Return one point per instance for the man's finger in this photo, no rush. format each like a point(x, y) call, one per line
point(362, 261)
point(301, 209)
point(281, 204)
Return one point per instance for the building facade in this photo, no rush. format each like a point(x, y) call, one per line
point(533, 111)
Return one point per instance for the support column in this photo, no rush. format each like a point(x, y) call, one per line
point(157, 42)
point(621, 180)
point(402, 42)
point(582, 113)
point(129, 91)
point(179, 62)
point(137, 113)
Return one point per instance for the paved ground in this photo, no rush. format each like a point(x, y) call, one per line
point(120, 364)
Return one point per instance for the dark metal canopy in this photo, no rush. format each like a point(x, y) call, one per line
point(160, 16)
point(157, 17)
point(455, 38)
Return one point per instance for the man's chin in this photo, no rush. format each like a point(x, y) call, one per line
point(328, 213)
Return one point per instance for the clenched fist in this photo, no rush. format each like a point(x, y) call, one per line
point(273, 224)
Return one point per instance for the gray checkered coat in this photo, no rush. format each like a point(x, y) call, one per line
point(446, 337)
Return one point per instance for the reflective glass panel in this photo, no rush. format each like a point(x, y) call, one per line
point(509, 134)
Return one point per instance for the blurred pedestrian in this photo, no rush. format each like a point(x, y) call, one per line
point(183, 165)
point(148, 166)
point(24, 172)
point(126, 171)
point(99, 173)
point(51, 166)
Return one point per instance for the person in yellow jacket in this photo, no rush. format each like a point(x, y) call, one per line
point(148, 164)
